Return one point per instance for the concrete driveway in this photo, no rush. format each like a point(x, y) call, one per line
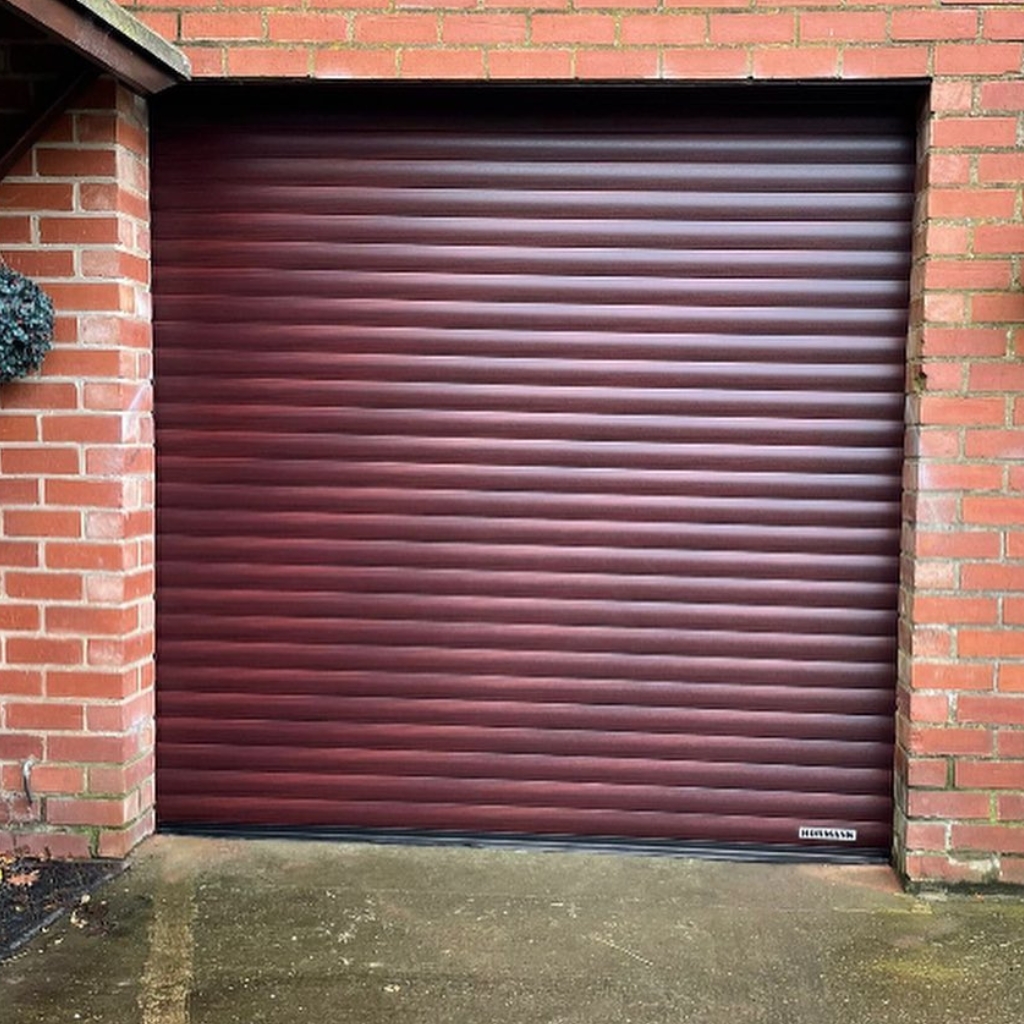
point(219, 932)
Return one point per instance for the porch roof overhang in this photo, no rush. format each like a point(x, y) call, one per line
point(52, 48)
point(108, 38)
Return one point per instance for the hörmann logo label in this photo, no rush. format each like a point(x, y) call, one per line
point(829, 835)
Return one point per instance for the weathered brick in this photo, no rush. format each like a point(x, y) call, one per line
point(967, 741)
point(955, 609)
point(991, 643)
point(439, 64)
point(394, 29)
point(1002, 95)
point(222, 25)
point(953, 676)
point(267, 61)
point(978, 59)
point(927, 771)
point(573, 28)
point(1003, 25)
point(997, 838)
point(308, 28)
point(1011, 678)
point(933, 25)
point(752, 28)
point(614, 64)
point(843, 26)
point(992, 710)
point(987, 132)
point(530, 64)
point(705, 64)
point(999, 238)
point(966, 274)
point(355, 63)
point(480, 29)
point(812, 62)
point(662, 29)
point(1000, 168)
point(45, 716)
point(948, 804)
point(877, 62)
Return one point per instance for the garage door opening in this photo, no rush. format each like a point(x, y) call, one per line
point(529, 461)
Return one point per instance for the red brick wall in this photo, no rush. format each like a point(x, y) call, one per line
point(960, 758)
point(76, 492)
point(588, 39)
point(960, 762)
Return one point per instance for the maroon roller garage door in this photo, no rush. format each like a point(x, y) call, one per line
point(529, 462)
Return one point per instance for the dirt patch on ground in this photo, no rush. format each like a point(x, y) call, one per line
point(35, 892)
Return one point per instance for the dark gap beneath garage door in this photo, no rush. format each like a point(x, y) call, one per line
point(529, 462)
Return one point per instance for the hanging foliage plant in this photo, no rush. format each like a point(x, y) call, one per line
point(26, 325)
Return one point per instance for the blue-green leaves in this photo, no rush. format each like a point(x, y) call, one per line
point(26, 325)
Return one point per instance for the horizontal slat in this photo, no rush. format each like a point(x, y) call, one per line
point(612, 613)
point(718, 235)
point(815, 692)
point(735, 348)
point(284, 657)
point(737, 564)
point(493, 714)
point(299, 811)
point(580, 138)
point(460, 255)
point(440, 739)
point(541, 171)
point(748, 537)
point(766, 433)
point(513, 399)
point(313, 511)
point(477, 313)
point(263, 196)
point(457, 764)
point(529, 453)
point(250, 580)
point(526, 793)
point(550, 372)
point(208, 469)
point(480, 635)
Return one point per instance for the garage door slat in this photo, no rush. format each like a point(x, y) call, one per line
point(516, 400)
point(547, 793)
point(489, 765)
point(301, 812)
point(458, 255)
point(328, 199)
point(494, 608)
point(707, 685)
point(438, 740)
point(717, 235)
point(285, 658)
point(872, 567)
point(301, 509)
point(604, 289)
point(435, 529)
point(247, 580)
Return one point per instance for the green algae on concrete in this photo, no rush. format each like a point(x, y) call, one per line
point(217, 932)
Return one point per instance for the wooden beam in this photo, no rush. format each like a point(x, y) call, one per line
point(116, 48)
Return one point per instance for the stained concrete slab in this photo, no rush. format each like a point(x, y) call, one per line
point(244, 932)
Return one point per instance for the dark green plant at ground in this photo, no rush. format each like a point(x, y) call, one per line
point(26, 325)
